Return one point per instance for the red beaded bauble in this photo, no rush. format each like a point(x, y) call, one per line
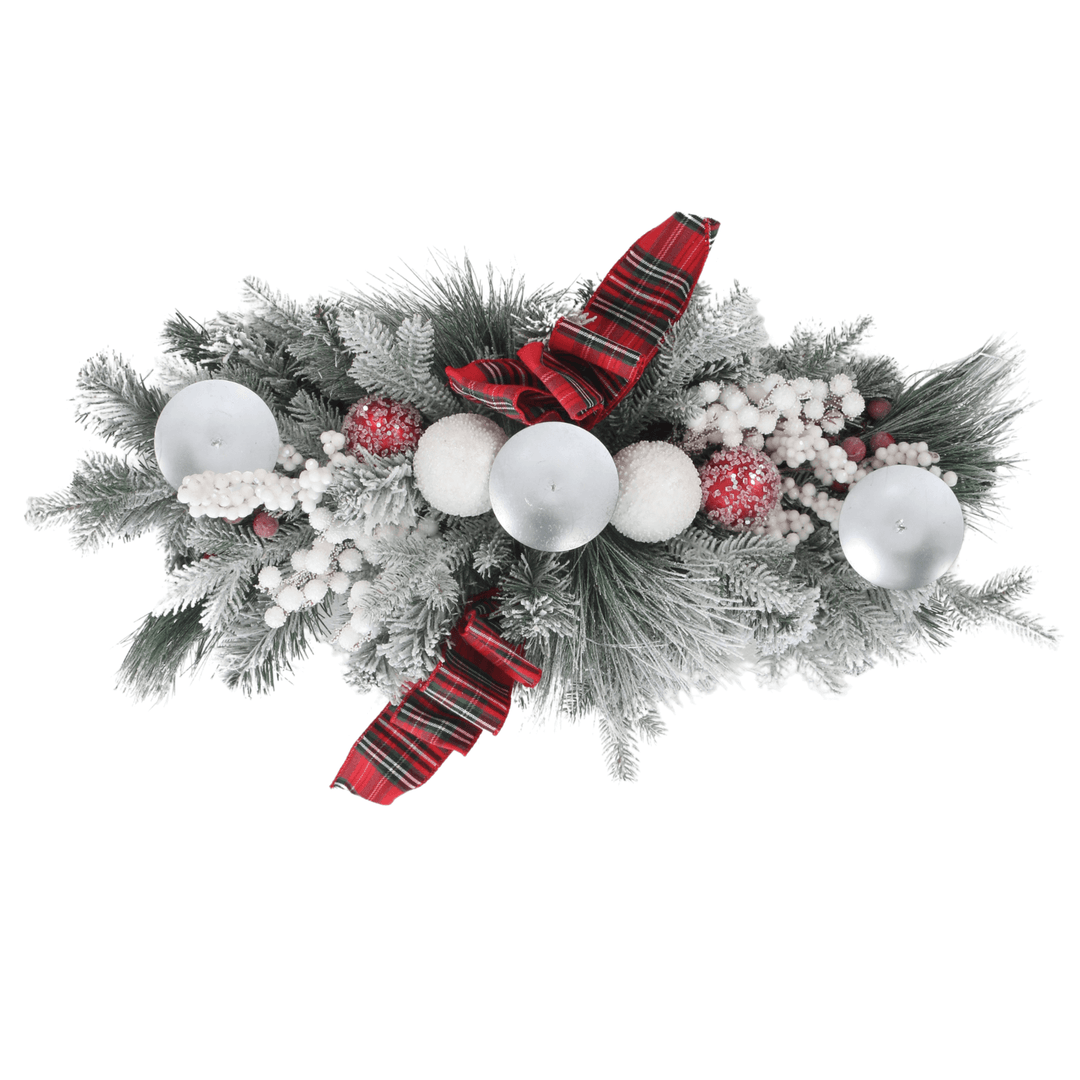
point(382, 426)
point(741, 487)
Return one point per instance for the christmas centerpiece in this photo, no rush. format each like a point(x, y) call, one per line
point(589, 500)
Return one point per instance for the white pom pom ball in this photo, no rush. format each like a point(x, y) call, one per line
point(269, 578)
point(731, 397)
point(339, 583)
point(767, 421)
point(453, 461)
point(274, 617)
point(852, 403)
point(320, 519)
point(350, 559)
point(659, 491)
point(290, 598)
point(784, 398)
point(315, 590)
point(748, 416)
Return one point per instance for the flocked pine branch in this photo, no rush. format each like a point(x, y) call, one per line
point(109, 499)
point(648, 629)
point(163, 648)
point(536, 598)
point(253, 656)
point(967, 606)
point(399, 365)
point(190, 340)
point(619, 744)
point(377, 491)
point(965, 412)
point(114, 402)
point(471, 317)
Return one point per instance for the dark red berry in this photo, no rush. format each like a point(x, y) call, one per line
point(265, 525)
point(882, 438)
point(878, 408)
point(854, 447)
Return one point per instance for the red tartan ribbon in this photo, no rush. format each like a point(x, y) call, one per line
point(468, 692)
point(591, 361)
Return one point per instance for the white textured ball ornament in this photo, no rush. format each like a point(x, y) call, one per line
point(659, 491)
point(453, 461)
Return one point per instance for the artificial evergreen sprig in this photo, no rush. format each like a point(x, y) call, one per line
point(109, 499)
point(967, 411)
point(470, 317)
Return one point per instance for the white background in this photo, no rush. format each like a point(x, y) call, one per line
point(881, 884)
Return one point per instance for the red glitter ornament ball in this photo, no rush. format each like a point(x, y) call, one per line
point(382, 426)
point(741, 487)
point(265, 525)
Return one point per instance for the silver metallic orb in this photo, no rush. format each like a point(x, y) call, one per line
point(901, 527)
point(217, 426)
point(553, 486)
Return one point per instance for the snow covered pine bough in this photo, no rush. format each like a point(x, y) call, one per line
point(592, 500)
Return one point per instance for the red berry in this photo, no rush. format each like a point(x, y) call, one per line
point(882, 438)
point(382, 426)
point(265, 525)
point(878, 408)
point(839, 488)
point(854, 447)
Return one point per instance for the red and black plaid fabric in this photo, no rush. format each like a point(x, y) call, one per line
point(591, 361)
point(467, 693)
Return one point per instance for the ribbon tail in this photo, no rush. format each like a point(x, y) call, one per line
point(468, 692)
point(642, 296)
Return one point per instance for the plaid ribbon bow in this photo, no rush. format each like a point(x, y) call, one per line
point(468, 692)
point(592, 360)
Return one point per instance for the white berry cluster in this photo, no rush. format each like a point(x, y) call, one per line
point(342, 560)
point(236, 494)
point(289, 457)
point(324, 567)
point(909, 454)
point(792, 525)
point(743, 416)
point(810, 448)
